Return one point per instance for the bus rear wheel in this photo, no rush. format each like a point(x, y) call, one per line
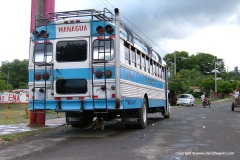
point(143, 115)
point(139, 114)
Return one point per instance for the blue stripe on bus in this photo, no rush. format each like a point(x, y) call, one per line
point(74, 104)
point(133, 103)
point(73, 73)
point(130, 75)
point(85, 73)
point(126, 103)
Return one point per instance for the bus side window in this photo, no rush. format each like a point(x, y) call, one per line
point(163, 73)
point(151, 66)
point(143, 63)
point(147, 65)
point(155, 68)
point(127, 53)
point(160, 71)
point(138, 60)
point(133, 56)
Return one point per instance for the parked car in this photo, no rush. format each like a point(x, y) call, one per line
point(186, 99)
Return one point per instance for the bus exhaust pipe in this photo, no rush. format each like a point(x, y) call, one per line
point(117, 58)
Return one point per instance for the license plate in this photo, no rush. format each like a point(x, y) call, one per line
point(40, 95)
point(133, 120)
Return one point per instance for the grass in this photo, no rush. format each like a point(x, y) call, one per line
point(198, 101)
point(20, 135)
point(14, 113)
point(18, 113)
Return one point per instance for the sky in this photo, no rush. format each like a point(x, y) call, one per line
point(205, 26)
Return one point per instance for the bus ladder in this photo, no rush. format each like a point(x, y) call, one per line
point(94, 84)
point(98, 85)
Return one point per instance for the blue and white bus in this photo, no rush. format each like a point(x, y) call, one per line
point(87, 63)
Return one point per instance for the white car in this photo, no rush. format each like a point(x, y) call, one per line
point(186, 99)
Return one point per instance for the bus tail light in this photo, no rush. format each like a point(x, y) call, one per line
point(108, 73)
point(43, 34)
point(45, 76)
point(100, 30)
point(113, 95)
point(36, 33)
point(37, 76)
point(99, 74)
point(95, 97)
point(109, 29)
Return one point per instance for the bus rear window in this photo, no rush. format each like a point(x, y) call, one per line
point(71, 51)
point(71, 86)
point(43, 53)
point(103, 48)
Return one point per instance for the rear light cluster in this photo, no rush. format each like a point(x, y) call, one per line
point(39, 76)
point(42, 34)
point(107, 73)
point(108, 28)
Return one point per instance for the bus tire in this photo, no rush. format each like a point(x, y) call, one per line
point(140, 114)
point(143, 115)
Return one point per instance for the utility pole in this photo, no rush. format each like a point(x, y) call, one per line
point(175, 65)
point(215, 78)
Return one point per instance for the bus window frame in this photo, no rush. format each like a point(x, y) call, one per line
point(138, 59)
point(45, 56)
point(127, 51)
point(143, 62)
point(58, 59)
point(133, 59)
point(110, 50)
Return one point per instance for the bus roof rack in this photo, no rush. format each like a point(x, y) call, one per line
point(104, 15)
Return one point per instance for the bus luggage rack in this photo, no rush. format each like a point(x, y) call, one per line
point(98, 15)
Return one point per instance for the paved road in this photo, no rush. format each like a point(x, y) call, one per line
point(192, 133)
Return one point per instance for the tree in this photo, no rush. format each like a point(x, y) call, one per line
point(193, 77)
point(4, 86)
point(15, 73)
point(181, 59)
point(225, 87)
point(207, 83)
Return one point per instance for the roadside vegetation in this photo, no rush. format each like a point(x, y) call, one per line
point(200, 73)
point(14, 113)
point(18, 113)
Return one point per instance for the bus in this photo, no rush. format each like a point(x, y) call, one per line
point(88, 64)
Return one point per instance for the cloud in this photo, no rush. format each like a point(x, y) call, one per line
point(210, 26)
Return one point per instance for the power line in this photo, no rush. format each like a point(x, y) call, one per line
point(135, 26)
